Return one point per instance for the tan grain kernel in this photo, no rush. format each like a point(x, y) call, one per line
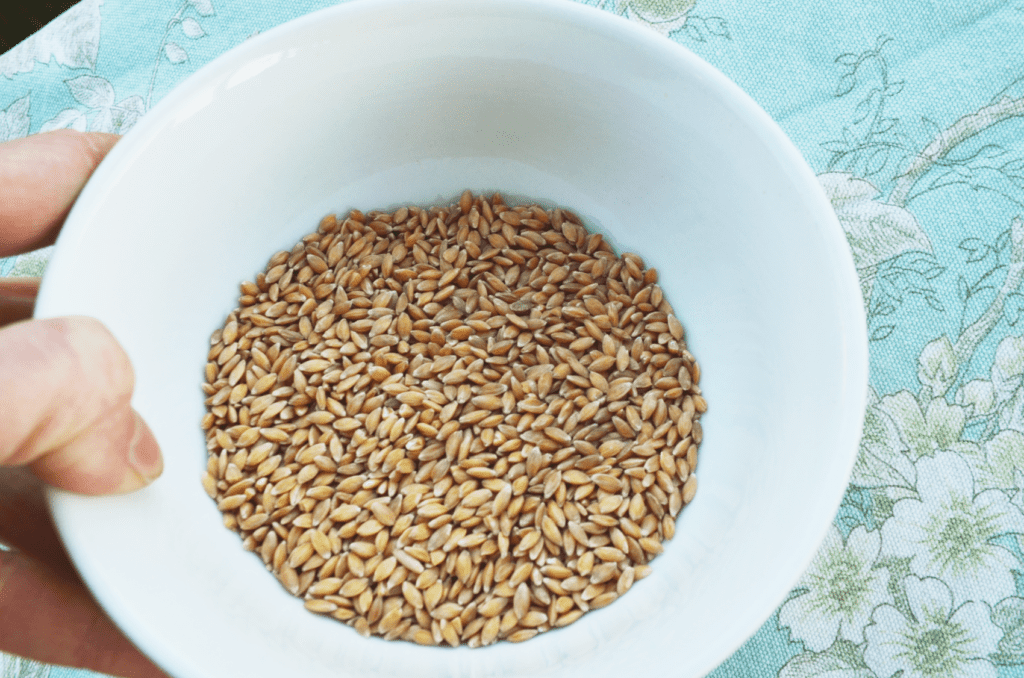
point(608, 553)
point(320, 606)
point(353, 587)
point(689, 489)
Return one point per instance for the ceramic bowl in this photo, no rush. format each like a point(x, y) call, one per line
point(375, 104)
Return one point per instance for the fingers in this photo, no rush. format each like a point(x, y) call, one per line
point(65, 385)
point(55, 620)
point(41, 175)
point(25, 522)
point(17, 299)
point(65, 391)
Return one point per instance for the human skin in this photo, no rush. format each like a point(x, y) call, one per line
point(65, 420)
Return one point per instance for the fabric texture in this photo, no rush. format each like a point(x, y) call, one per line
point(912, 115)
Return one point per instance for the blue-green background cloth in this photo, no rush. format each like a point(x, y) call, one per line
point(912, 114)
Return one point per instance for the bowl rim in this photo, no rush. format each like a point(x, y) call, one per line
point(174, 106)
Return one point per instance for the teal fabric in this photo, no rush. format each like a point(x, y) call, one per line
point(912, 115)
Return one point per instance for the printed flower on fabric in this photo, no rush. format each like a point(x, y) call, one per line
point(842, 590)
point(937, 641)
point(947, 532)
point(928, 431)
point(663, 16)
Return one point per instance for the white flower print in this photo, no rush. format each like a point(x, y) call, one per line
point(842, 590)
point(948, 531)
point(938, 641)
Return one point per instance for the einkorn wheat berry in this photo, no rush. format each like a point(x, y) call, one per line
point(455, 425)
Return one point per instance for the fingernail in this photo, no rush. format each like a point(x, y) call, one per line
point(143, 452)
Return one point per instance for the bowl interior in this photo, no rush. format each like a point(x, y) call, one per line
point(373, 105)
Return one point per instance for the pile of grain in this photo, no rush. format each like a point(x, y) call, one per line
point(453, 425)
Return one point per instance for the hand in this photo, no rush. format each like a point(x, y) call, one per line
point(65, 419)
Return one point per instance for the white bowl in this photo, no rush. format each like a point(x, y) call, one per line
point(376, 104)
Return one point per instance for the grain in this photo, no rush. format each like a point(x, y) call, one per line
point(454, 425)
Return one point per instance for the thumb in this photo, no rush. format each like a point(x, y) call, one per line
point(65, 408)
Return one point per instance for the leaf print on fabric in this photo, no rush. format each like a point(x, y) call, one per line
point(203, 7)
point(959, 132)
point(927, 432)
point(171, 50)
point(92, 92)
point(886, 286)
point(978, 396)
point(72, 40)
point(1017, 496)
point(1009, 616)
point(937, 641)
point(14, 122)
point(126, 113)
point(937, 366)
point(69, 118)
point(702, 28)
point(1007, 368)
point(1011, 414)
point(881, 461)
point(842, 589)
point(31, 264)
point(1003, 457)
point(970, 338)
point(842, 660)
point(876, 231)
point(1007, 374)
point(872, 140)
point(670, 17)
point(19, 667)
point(175, 54)
point(103, 114)
point(948, 532)
point(191, 28)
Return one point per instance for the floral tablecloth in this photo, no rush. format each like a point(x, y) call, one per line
point(912, 114)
